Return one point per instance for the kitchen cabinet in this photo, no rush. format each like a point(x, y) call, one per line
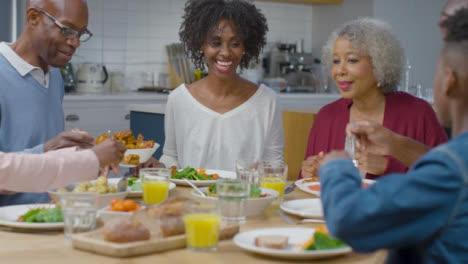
point(99, 113)
point(321, 2)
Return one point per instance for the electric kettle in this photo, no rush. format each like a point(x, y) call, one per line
point(92, 78)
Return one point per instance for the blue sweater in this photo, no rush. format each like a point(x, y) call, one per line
point(421, 217)
point(30, 114)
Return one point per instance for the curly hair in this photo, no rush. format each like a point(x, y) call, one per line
point(457, 26)
point(376, 39)
point(202, 16)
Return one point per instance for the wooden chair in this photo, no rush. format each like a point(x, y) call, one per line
point(296, 124)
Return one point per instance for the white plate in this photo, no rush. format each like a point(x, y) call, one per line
point(307, 208)
point(246, 240)
point(125, 165)
point(144, 155)
point(9, 214)
point(133, 194)
point(221, 173)
point(304, 185)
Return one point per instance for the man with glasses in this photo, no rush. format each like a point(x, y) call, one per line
point(31, 87)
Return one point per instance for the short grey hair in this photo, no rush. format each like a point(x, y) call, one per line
point(376, 39)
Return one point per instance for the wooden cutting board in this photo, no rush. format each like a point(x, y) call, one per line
point(95, 243)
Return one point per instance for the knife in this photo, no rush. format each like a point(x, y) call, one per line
point(290, 188)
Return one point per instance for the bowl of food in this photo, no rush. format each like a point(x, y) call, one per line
point(257, 202)
point(106, 192)
point(138, 150)
point(143, 154)
point(118, 209)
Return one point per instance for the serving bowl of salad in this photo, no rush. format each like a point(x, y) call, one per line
point(257, 202)
point(199, 177)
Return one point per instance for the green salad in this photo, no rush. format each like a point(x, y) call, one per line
point(190, 173)
point(255, 191)
point(42, 215)
point(134, 184)
point(324, 241)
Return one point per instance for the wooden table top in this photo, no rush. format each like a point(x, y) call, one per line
point(53, 248)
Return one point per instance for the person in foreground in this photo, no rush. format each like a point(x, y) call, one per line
point(365, 59)
point(422, 217)
point(31, 86)
point(221, 118)
point(23, 172)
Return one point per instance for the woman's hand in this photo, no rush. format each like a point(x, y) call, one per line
point(151, 163)
point(370, 163)
point(109, 153)
point(311, 165)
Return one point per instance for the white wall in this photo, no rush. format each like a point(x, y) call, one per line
point(130, 36)
point(416, 23)
point(325, 18)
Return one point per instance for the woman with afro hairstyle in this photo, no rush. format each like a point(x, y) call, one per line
point(221, 118)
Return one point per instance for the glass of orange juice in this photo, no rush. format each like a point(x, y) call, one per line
point(155, 183)
point(273, 176)
point(201, 226)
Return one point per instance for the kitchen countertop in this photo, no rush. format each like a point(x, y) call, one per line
point(115, 96)
point(301, 101)
point(149, 95)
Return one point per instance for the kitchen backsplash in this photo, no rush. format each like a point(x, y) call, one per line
point(130, 36)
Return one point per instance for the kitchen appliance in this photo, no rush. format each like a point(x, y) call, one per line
point(92, 78)
point(68, 78)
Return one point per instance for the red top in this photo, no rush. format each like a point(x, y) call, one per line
point(404, 114)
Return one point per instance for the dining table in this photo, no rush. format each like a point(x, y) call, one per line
point(19, 246)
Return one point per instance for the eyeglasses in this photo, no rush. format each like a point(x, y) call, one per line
point(67, 32)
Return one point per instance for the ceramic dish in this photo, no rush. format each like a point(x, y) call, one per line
point(306, 208)
point(254, 206)
point(221, 173)
point(9, 215)
point(313, 187)
point(246, 241)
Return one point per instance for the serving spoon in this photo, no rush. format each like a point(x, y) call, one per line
point(194, 187)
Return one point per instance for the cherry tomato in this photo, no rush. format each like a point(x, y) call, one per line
point(114, 201)
point(119, 206)
point(129, 205)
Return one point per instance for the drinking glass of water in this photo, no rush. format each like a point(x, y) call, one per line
point(232, 196)
point(79, 213)
point(247, 170)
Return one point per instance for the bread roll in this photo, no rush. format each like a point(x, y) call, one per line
point(123, 230)
point(272, 241)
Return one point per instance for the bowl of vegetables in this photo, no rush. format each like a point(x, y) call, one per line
point(257, 202)
point(199, 177)
point(118, 209)
point(106, 191)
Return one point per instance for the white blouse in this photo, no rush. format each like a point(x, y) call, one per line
point(199, 137)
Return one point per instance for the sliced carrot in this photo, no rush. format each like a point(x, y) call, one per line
point(215, 176)
point(315, 187)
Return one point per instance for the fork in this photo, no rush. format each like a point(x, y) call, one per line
point(291, 221)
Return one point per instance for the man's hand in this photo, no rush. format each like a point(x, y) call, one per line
point(109, 153)
point(372, 137)
point(333, 155)
point(70, 138)
point(311, 165)
point(374, 164)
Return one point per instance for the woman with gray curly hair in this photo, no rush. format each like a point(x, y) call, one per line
point(365, 59)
